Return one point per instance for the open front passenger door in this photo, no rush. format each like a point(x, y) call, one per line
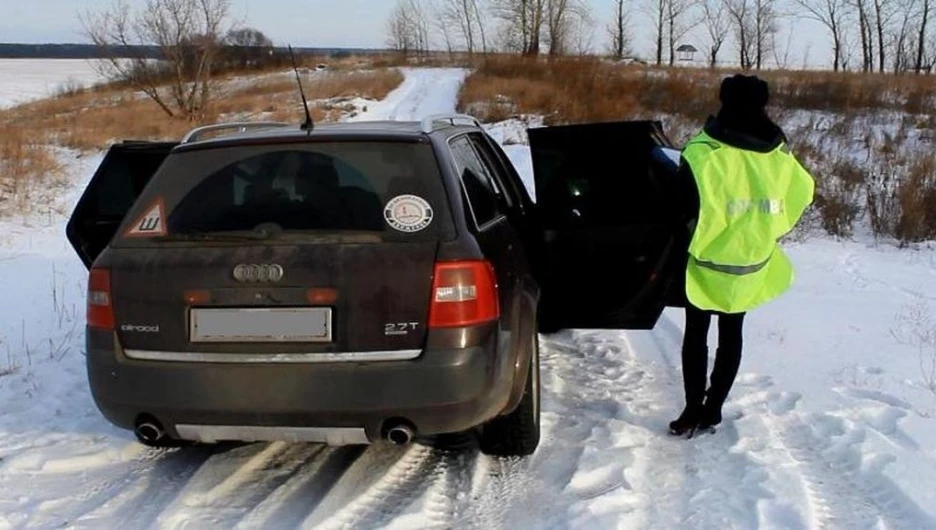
point(125, 171)
point(610, 245)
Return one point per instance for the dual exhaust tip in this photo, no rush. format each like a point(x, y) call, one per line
point(150, 432)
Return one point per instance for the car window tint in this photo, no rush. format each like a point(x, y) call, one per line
point(482, 191)
point(121, 180)
point(294, 189)
point(314, 186)
point(493, 165)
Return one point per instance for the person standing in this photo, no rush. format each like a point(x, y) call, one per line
point(743, 191)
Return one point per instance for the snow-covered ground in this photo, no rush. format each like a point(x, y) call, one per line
point(830, 425)
point(23, 80)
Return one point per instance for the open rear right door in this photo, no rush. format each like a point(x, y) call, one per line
point(610, 245)
point(125, 171)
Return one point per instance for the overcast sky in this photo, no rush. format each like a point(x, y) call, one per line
point(340, 23)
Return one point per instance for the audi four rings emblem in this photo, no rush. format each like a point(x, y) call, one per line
point(258, 273)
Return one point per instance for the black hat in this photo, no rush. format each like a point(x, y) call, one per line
point(744, 92)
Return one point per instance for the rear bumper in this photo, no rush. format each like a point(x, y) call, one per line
point(441, 391)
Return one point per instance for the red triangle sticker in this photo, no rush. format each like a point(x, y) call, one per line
point(152, 223)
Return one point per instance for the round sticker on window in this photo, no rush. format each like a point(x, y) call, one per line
point(408, 213)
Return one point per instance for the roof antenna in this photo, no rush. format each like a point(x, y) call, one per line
point(308, 125)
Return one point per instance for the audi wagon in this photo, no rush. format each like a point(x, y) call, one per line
point(359, 282)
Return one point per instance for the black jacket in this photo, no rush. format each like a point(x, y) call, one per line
point(752, 131)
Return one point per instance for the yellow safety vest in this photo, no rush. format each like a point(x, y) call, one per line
point(748, 201)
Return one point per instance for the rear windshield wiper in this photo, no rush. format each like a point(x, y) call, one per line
point(208, 236)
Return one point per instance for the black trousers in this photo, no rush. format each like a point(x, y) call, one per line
point(695, 356)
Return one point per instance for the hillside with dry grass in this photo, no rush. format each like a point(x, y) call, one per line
point(868, 138)
point(34, 136)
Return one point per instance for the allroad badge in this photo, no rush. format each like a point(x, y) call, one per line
point(251, 273)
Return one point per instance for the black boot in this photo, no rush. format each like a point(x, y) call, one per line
point(727, 361)
point(687, 422)
point(694, 368)
point(695, 365)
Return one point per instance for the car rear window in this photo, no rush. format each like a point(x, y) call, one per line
point(392, 188)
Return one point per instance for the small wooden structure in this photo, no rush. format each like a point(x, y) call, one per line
point(686, 52)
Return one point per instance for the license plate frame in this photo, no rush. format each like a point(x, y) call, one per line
point(261, 325)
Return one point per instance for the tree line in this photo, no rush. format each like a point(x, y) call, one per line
point(867, 35)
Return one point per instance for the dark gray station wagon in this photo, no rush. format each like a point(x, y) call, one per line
point(361, 281)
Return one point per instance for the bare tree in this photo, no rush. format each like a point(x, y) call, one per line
point(883, 15)
point(582, 33)
point(408, 27)
point(557, 16)
point(442, 26)
point(620, 30)
point(782, 58)
point(523, 22)
point(901, 35)
point(717, 24)
point(482, 25)
point(765, 28)
point(741, 13)
point(867, 35)
point(187, 35)
point(925, 9)
point(833, 15)
point(247, 47)
point(657, 10)
point(568, 25)
point(681, 18)
point(467, 19)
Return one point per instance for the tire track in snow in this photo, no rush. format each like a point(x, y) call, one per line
point(149, 487)
point(231, 483)
point(448, 500)
point(291, 502)
point(826, 451)
point(398, 487)
point(589, 381)
point(823, 452)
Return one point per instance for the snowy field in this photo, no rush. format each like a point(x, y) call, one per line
point(831, 424)
point(24, 80)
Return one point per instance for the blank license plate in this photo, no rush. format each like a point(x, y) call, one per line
point(308, 324)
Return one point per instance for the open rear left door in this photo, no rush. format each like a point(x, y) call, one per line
point(610, 246)
point(125, 171)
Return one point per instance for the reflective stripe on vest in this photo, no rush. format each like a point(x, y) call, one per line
point(747, 201)
point(737, 270)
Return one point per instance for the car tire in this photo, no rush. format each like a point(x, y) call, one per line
point(517, 433)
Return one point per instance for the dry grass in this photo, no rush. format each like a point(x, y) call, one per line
point(86, 119)
point(838, 193)
point(916, 196)
point(861, 162)
point(580, 90)
point(28, 167)
point(93, 119)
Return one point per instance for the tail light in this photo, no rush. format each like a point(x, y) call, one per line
point(100, 306)
point(464, 293)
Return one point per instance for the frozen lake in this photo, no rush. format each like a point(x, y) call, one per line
point(28, 79)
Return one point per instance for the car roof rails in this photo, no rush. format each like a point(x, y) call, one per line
point(428, 124)
point(195, 134)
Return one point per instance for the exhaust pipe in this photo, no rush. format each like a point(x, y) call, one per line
point(400, 435)
point(149, 432)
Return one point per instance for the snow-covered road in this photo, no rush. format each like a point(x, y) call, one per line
point(840, 435)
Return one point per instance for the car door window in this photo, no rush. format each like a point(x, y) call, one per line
point(494, 169)
point(481, 189)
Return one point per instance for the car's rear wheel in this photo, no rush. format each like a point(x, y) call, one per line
point(517, 433)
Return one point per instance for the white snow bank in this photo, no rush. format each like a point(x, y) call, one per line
point(829, 425)
point(23, 80)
